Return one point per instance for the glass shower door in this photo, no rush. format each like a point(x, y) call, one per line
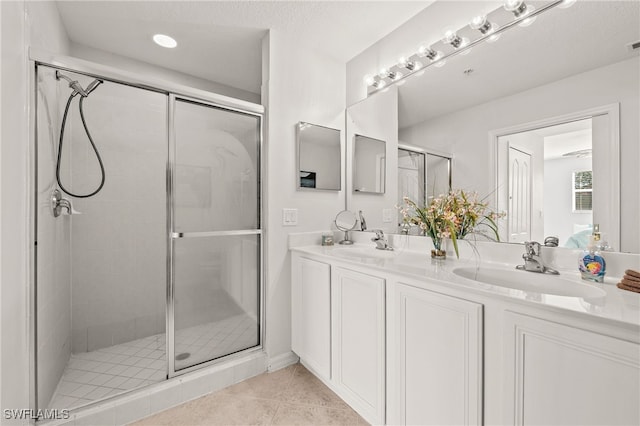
point(215, 284)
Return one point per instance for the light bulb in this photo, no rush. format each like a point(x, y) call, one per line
point(369, 80)
point(404, 62)
point(528, 21)
point(383, 73)
point(380, 84)
point(165, 41)
point(424, 50)
point(512, 5)
point(450, 36)
point(566, 3)
point(479, 22)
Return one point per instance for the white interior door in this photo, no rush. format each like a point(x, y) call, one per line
point(519, 214)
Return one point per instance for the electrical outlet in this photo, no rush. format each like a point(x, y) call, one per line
point(289, 217)
point(387, 215)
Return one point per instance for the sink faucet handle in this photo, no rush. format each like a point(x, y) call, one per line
point(532, 248)
point(379, 234)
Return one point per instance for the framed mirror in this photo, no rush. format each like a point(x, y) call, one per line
point(369, 165)
point(319, 158)
point(542, 73)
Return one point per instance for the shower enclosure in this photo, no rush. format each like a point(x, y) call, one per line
point(160, 271)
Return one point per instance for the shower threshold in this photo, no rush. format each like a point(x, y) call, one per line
point(100, 374)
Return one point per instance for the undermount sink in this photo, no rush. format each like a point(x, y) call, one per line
point(363, 253)
point(530, 282)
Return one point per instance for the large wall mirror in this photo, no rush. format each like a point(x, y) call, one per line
point(539, 95)
point(319, 157)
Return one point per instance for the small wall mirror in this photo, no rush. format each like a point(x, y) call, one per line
point(369, 165)
point(319, 157)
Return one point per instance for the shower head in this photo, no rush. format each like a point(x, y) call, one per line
point(94, 84)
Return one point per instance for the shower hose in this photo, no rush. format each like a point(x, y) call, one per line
point(93, 145)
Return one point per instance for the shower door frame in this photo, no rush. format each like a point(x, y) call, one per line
point(172, 91)
point(172, 236)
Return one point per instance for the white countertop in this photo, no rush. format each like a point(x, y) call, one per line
point(616, 305)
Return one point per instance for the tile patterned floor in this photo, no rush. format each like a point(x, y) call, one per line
point(99, 374)
point(291, 396)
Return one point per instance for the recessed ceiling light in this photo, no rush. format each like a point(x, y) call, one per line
point(165, 41)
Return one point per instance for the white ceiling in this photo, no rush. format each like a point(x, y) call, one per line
point(560, 43)
point(221, 40)
point(564, 138)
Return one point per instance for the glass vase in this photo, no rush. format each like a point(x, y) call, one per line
point(438, 252)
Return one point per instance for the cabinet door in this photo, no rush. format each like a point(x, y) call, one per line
point(435, 358)
point(358, 324)
point(560, 375)
point(311, 314)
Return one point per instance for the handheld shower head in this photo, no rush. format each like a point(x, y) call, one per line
point(94, 84)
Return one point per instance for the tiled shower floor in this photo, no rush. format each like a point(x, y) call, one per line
point(102, 373)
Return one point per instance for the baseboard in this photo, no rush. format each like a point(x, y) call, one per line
point(281, 361)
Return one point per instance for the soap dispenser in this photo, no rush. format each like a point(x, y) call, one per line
point(591, 263)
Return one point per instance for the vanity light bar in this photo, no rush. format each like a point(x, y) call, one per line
point(524, 15)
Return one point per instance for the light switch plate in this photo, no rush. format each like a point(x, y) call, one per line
point(289, 217)
point(387, 215)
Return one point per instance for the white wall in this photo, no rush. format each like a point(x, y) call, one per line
point(375, 117)
point(23, 23)
point(472, 152)
point(301, 85)
point(558, 194)
point(144, 68)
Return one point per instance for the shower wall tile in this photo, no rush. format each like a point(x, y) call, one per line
point(119, 242)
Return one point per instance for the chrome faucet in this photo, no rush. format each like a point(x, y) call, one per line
point(58, 204)
point(363, 223)
point(533, 261)
point(380, 240)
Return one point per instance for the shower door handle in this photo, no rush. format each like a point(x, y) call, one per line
point(177, 235)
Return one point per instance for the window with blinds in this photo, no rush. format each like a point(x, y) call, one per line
point(582, 191)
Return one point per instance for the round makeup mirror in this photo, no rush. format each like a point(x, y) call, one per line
point(346, 221)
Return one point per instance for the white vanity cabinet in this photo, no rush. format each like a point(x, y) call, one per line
point(311, 314)
point(338, 331)
point(434, 358)
point(425, 347)
point(558, 374)
point(358, 337)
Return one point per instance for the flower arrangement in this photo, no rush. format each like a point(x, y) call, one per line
point(453, 215)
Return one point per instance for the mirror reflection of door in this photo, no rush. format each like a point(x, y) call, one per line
point(552, 183)
point(519, 195)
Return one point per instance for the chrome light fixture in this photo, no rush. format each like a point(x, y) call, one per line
point(432, 55)
point(482, 24)
point(409, 64)
point(520, 9)
point(450, 37)
point(388, 73)
point(457, 44)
